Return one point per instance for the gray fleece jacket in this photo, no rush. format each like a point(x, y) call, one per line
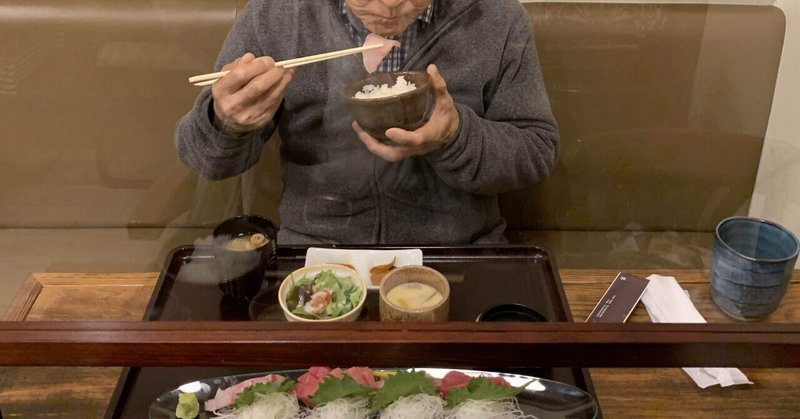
point(335, 190)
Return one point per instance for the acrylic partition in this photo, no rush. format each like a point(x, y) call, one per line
point(663, 111)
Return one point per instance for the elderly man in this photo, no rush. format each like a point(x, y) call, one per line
point(490, 129)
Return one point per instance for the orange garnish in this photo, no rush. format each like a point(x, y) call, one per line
point(377, 272)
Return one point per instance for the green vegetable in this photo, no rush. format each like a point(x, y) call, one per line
point(301, 311)
point(345, 294)
point(481, 388)
point(333, 388)
point(248, 395)
point(401, 384)
point(188, 406)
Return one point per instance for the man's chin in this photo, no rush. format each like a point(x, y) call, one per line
point(384, 30)
point(386, 34)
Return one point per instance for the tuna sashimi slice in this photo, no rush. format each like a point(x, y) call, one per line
point(373, 57)
point(226, 397)
point(457, 379)
point(308, 383)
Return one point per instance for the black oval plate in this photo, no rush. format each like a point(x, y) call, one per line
point(545, 399)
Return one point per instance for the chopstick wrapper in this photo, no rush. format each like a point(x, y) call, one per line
point(667, 302)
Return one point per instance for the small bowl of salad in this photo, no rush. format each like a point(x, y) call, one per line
point(323, 293)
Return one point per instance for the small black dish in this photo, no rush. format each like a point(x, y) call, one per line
point(510, 313)
point(265, 306)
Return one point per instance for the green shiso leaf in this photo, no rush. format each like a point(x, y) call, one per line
point(481, 388)
point(401, 384)
point(188, 406)
point(248, 395)
point(332, 388)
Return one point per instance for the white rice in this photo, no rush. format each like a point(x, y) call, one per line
point(372, 91)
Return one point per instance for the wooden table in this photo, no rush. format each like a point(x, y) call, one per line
point(636, 393)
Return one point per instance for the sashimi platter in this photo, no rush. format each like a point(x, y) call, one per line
point(365, 393)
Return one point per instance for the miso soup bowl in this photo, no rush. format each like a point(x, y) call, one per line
point(241, 273)
point(338, 270)
point(406, 110)
point(414, 273)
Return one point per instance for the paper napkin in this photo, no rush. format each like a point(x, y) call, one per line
point(667, 302)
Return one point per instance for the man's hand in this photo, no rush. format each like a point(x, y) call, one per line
point(248, 96)
point(440, 130)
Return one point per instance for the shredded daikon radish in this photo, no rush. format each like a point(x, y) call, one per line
point(486, 409)
point(224, 413)
point(266, 406)
point(347, 408)
point(418, 406)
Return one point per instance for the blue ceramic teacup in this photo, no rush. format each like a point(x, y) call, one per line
point(751, 265)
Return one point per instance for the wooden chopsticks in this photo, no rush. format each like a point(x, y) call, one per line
point(211, 78)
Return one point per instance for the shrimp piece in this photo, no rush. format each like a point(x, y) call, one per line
point(319, 301)
point(373, 57)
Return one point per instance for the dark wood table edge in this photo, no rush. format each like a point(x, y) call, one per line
point(285, 345)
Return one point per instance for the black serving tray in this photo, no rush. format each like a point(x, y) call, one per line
point(480, 278)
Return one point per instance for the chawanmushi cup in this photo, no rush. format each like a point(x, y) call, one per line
point(439, 312)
